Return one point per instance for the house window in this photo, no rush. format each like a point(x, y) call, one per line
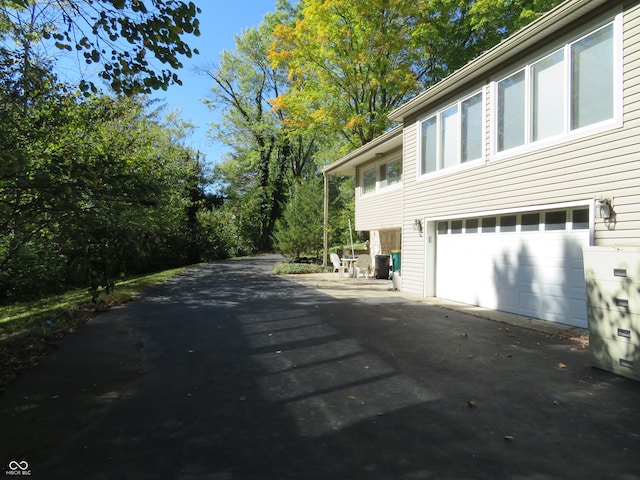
point(547, 99)
point(472, 131)
point(570, 89)
point(369, 179)
point(393, 172)
point(592, 78)
point(429, 146)
point(443, 228)
point(449, 137)
point(453, 136)
point(456, 226)
point(511, 112)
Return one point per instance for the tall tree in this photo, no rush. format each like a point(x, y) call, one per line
point(299, 231)
point(267, 153)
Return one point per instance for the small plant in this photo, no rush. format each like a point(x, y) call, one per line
point(286, 268)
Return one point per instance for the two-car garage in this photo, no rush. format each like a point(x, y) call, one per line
point(529, 263)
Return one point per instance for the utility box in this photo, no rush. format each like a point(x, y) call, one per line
point(612, 277)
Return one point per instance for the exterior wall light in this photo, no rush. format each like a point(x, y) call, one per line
point(603, 208)
point(417, 225)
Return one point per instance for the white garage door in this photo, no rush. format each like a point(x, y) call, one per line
point(529, 263)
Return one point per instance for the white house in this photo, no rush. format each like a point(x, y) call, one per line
point(493, 181)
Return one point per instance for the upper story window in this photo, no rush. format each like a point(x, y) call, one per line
point(382, 176)
point(453, 136)
point(393, 172)
point(570, 89)
point(369, 180)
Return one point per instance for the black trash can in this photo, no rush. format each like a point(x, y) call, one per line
point(382, 266)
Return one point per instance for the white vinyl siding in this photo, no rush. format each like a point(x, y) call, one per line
point(382, 208)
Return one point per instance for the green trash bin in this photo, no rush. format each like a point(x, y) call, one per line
point(396, 256)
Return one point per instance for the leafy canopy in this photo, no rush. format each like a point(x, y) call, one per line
point(352, 61)
point(137, 44)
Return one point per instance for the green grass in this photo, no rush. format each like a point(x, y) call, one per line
point(80, 298)
point(28, 329)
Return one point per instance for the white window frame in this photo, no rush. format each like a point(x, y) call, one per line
point(459, 165)
point(386, 177)
point(568, 134)
point(365, 171)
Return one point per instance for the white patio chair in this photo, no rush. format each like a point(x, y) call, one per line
point(337, 264)
point(363, 264)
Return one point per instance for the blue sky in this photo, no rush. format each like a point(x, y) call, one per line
point(220, 21)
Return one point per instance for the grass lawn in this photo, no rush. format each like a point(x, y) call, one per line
point(29, 330)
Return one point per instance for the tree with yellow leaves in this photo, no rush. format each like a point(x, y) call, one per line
point(352, 61)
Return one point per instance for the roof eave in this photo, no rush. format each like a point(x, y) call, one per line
point(346, 165)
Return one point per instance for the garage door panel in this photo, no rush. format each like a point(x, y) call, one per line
point(538, 274)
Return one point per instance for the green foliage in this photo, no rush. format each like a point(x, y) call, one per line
point(126, 38)
point(91, 189)
point(267, 154)
point(300, 228)
point(354, 61)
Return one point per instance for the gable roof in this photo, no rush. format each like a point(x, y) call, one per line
point(513, 46)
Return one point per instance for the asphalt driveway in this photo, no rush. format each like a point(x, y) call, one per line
point(228, 372)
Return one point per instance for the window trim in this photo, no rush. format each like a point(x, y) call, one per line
point(381, 184)
point(385, 165)
point(365, 171)
point(570, 225)
point(437, 114)
point(568, 135)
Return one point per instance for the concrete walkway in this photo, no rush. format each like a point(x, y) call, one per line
point(228, 372)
